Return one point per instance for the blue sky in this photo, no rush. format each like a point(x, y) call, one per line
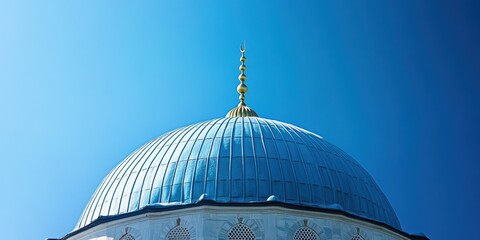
point(393, 83)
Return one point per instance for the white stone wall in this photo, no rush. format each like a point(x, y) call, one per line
point(210, 222)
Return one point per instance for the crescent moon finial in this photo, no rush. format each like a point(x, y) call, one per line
point(243, 47)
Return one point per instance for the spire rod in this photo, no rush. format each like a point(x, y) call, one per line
point(242, 110)
point(242, 88)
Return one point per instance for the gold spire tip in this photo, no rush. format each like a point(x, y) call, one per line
point(242, 110)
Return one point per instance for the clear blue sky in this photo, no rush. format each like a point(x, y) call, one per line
point(396, 84)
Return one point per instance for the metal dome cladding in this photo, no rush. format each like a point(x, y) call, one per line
point(239, 160)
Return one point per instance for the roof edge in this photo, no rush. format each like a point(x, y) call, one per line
point(206, 202)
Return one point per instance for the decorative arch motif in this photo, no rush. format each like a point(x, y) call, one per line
point(178, 233)
point(240, 229)
point(306, 230)
point(129, 233)
point(305, 233)
point(356, 234)
point(357, 237)
point(127, 236)
point(178, 229)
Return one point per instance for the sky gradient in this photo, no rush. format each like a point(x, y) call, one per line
point(396, 84)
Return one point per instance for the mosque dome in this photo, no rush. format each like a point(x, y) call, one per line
point(241, 177)
point(240, 160)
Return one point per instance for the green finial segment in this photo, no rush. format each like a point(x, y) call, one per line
point(242, 110)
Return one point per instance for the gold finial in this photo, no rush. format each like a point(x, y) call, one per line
point(242, 88)
point(242, 110)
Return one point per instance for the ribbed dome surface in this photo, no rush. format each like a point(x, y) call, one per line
point(245, 159)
